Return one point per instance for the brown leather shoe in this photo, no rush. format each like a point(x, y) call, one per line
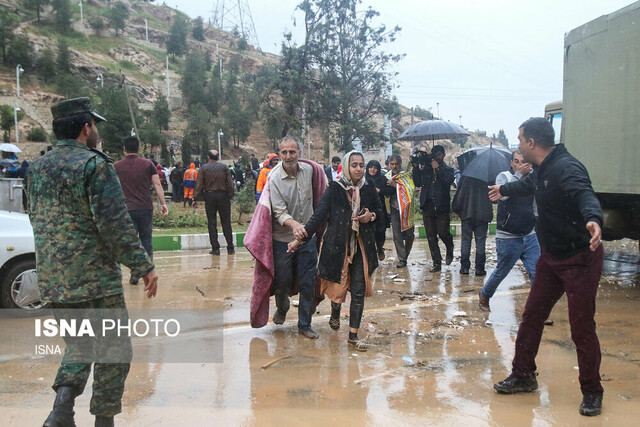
point(484, 302)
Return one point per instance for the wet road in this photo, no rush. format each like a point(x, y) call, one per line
point(456, 356)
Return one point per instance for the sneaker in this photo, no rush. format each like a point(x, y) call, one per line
point(464, 270)
point(231, 250)
point(449, 259)
point(214, 251)
point(279, 317)
point(401, 264)
point(436, 268)
point(309, 333)
point(591, 405)
point(484, 302)
point(480, 273)
point(513, 384)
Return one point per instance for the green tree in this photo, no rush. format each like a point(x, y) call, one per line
point(118, 16)
point(198, 29)
point(21, 52)
point(37, 5)
point(237, 118)
point(245, 200)
point(352, 85)
point(186, 150)
point(177, 41)
point(63, 61)
point(422, 113)
point(46, 65)
point(97, 24)
point(193, 80)
point(502, 138)
point(70, 86)
point(199, 131)
point(114, 107)
point(242, 44)
point(161, 113)
point(208, 63)
point(214, 92)
point(7, 119)
point(62, 10)
point(8, 22)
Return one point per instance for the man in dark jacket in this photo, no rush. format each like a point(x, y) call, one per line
point(175, 177)
point(332, 170)
point(436, 178)
point(473, 206)
point(569, 230)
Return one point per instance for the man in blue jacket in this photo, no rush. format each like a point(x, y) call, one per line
point(569, 230)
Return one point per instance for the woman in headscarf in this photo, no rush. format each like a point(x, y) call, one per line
point(374, 174)
point(348, 257)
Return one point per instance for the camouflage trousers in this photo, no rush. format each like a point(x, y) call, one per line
point(108, 378)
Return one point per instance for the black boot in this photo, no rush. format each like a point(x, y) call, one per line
point(62, 414)
point(103, 421)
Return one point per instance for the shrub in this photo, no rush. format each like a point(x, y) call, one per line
point(37, 135)
point(179, 220)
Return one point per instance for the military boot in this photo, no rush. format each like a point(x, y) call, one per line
point(62, 414)
point(103, 421)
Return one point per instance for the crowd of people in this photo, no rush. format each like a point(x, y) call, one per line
point(316, 231)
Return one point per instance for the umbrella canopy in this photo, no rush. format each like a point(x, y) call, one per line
point(430, 130)
point(9, 163)
point(484, 163)
point(10, 148)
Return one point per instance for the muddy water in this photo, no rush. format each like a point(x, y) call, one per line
point(456, 352)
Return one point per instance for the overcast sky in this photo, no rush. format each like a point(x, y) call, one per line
point(489, 64)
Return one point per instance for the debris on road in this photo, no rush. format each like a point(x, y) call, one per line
point(273, 362)
point(201, 293)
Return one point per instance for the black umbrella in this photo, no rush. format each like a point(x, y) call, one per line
point(484, 163)
point(430, 130)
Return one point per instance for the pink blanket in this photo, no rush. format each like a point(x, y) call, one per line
point(258, 243)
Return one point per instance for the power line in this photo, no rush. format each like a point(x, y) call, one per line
point(235, 15)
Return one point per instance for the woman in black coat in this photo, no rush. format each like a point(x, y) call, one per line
point(374, 174)
point(348, 257)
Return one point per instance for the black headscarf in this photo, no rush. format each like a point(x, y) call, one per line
point(379, 180)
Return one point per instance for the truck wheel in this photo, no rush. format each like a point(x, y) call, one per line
point(17, 278)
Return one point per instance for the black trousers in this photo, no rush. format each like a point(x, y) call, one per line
point(438, 225)
point(218, 202)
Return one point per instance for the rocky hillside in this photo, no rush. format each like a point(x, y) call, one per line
point(143, 63)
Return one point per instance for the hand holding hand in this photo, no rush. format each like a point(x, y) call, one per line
point(299, 232)
point(293, 246)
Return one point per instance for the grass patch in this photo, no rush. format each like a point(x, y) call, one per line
point(127, 65)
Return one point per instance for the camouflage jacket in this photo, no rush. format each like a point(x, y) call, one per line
point(82, 229)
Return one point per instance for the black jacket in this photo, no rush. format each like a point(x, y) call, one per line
point(472, 200)
point(435, 194)
point(335, 207)
point(566, 202)
point(328, 173)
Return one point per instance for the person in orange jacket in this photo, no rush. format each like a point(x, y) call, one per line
point(189, 182)
point(264, 173)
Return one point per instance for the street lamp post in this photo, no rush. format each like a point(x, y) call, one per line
point(81, 18)
point(19, 70)
point(219, 149)
point(15, 119)
point(101, 80)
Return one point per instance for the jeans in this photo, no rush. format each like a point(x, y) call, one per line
point(472, 227)
point(509, 251)
point(300, 265)
point(403, 240)
point(214, 202)
point(358, 288)
point(438, 224)
point(177, 192)
point(142, 223)
point(577, 276)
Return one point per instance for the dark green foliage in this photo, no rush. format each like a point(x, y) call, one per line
point(214, 92)
point(118, 16)
point(70, 86)
point(62, 10)
point(63, 61)
point(127, 65)
point(199, 132)
point(198, 29)
point(37, 5)
point(238, 119)
point(242, 44)
point(193, 80)
point(175, 219)
point(502, 138)
point(97, 24)
point(422, 113)
point(8, 22)
point(186, 151)
point(7, 118)
point(208, 63)
point(165, 155)
point(161, 113)
point(46, 65)
point(245, 200)
point(114, 107)
point(21, 52)
point(460, 141)
point(37, 135)
point(177, 42)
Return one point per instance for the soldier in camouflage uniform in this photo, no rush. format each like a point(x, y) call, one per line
point(82, 234)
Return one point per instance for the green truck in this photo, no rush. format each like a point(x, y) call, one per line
point(599, 117)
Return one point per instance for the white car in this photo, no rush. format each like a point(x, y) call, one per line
point(18, 278)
